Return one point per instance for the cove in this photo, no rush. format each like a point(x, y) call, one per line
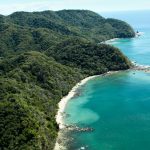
point(116, 106)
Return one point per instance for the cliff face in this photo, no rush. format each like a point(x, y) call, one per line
point(43, 55)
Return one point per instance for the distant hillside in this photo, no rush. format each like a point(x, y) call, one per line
point(24, 31)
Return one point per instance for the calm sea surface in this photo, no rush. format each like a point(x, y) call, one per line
point(116, 106)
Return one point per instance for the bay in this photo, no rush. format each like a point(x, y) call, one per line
point(116, 106)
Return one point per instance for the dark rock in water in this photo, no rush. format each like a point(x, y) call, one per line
point(77, 94)
point(65, 115)
point(79, 129)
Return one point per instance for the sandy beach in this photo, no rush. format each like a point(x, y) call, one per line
point(109, 41)
point(115, 39)
point(64, 100)
point(62, 104)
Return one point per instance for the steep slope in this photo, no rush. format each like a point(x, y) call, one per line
point(90, 58)
point(20, 30)
point(31, 85)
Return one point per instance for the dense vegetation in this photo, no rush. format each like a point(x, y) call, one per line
point(42, 56)
point(24, 31)
point(31, 85)
point(90, 58)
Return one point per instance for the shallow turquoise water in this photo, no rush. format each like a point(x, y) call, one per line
point(117, 106)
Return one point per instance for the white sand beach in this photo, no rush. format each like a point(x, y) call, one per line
point(62, 104)
point(109, 41)
point(64, 100)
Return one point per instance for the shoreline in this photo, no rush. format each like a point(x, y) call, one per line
point(59, 146)
point(62, 104)
point(110, 40)
point(115, 39)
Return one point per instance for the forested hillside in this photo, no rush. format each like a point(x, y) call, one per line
point(90, 58)
point(24, 31)
point(31, 85)
point(42, 56)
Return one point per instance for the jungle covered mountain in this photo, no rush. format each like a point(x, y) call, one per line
point(32, 84)
point(42, 56)
point(26, 31)
point(90, 58)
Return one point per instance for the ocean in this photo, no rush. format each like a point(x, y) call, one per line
point(116, 107)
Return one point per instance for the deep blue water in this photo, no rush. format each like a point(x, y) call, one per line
point(138, 19)
point(116, 106)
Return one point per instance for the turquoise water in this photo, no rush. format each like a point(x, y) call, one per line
point(116, 106)
point(136, 49)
